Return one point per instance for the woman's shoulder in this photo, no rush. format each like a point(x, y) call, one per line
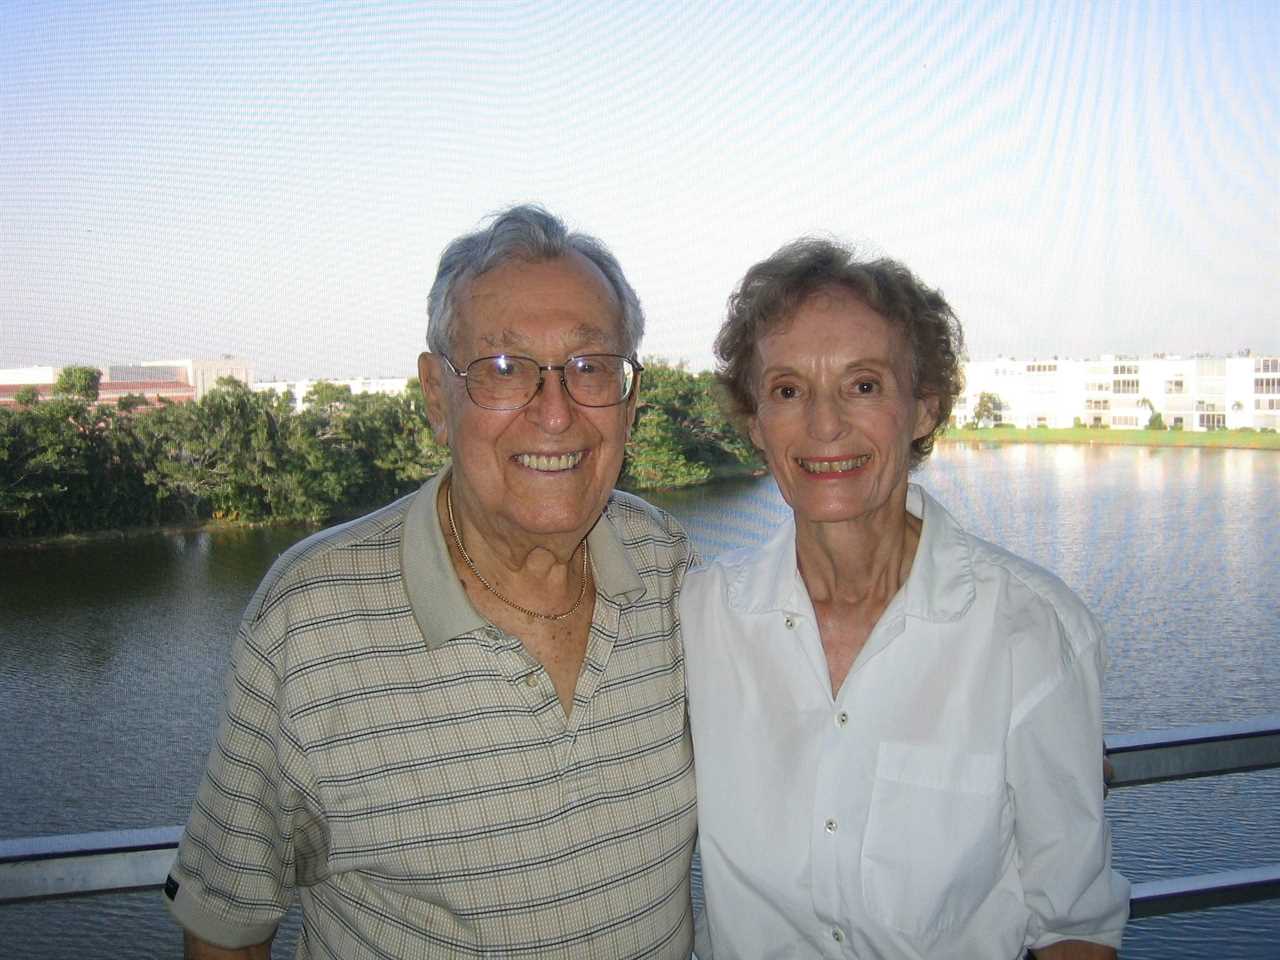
point(1030, 594)
point(725, 567)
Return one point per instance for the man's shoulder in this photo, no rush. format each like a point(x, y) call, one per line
point(637, 521)
point(365, 548)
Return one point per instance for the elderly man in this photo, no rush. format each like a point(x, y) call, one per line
point(456, 727)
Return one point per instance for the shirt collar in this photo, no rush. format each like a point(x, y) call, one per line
point(440, 605)
point(940, 586)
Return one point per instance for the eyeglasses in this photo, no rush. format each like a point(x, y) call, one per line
point(507, 382)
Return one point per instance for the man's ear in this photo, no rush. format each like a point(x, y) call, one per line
point(431, 374)
point(633, 408)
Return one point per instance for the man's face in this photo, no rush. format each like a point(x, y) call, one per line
point(546, 469)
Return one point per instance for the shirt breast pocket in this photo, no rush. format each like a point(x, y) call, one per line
point(931, 852)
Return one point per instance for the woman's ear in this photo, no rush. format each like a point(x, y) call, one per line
point(926, 416)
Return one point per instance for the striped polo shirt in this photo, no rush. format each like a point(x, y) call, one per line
point(407, 769)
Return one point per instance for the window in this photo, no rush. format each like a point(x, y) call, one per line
point(1266, 385)
point(1213, 421)
point(1124, 386)
point(1173, 386)
point(1123, 369)
point(1124, 421)
point(1266, 365)
point(1097, 404)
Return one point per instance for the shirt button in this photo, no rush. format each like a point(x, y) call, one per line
point(842, 718)
point(531, 680)
point(790, 622)
point(831, 826)
point(837, 935)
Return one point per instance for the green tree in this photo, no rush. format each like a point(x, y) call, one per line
point(681, 437)
point(67, 464)
point(130, 402)
point(1155, 421)
point(46, 483)
point(81, 382)
point(988, 408)
point(655, 457)
point(27, 396)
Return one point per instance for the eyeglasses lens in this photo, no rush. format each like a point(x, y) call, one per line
point(507, 383)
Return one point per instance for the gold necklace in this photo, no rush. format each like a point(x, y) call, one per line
point(471, 565)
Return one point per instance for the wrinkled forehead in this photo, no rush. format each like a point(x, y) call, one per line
point(534, 307)
point(854, 317)
point(528, 339)
point(838, 301)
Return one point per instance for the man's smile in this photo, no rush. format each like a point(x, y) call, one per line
point(549, 463)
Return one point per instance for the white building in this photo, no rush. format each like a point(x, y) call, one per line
point(204, 375)
point(392, 386)
point(1189, 393)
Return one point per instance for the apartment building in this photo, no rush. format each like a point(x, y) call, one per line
point(1189, 393)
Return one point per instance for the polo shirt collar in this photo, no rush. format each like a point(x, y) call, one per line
point(440, 604)
point(939, 588)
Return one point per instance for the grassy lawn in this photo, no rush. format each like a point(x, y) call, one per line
point(1245, 439)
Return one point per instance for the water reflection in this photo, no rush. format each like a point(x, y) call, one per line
point(114, 651)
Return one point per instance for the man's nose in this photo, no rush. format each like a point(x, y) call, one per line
point(552, 407)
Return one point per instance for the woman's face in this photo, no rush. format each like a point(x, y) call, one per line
point(835, 413)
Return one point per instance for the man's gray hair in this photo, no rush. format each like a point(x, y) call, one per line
point(528, 233)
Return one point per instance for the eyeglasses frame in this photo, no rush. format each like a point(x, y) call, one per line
point(543, 370)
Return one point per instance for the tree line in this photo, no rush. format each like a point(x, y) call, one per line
point(70, 464)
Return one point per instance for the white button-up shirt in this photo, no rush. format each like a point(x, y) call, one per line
point(946, 803)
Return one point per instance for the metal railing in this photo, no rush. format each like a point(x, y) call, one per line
point(120, 860)
point(1183, 753)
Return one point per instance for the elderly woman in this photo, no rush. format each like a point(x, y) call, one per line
point(897, 725)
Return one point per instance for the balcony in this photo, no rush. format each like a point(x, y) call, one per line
point(117, 861)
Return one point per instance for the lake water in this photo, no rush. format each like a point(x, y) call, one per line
point(114, 653)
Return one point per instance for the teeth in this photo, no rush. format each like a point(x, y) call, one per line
point(565, 461)
point(833, 466)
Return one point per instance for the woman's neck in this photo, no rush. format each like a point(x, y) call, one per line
point(859, 562)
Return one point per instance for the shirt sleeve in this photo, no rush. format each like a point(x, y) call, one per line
point(250, 824)
point(1055, 773)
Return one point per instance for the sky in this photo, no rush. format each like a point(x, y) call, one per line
point(277, 181)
